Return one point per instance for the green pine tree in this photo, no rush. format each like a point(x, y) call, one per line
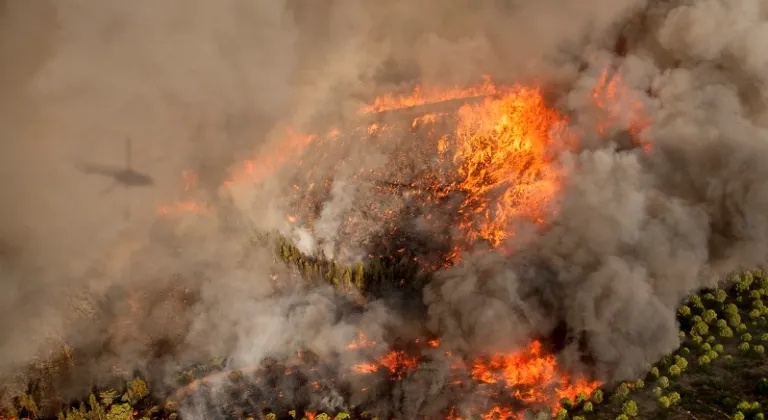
point(359, 275)
point(346, 279)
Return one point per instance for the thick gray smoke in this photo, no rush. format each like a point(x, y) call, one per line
point(198, 85)
point(634, 233)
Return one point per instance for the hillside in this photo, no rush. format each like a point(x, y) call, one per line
point(718, 372)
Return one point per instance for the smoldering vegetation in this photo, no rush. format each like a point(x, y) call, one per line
point(199, 86)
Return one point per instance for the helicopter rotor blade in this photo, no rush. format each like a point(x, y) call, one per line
point(128, 160)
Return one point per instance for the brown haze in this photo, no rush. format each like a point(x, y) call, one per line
point(197, 85)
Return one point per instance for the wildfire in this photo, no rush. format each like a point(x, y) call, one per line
point(360, 342)
point(274, 158)
point(397, 362)
point(499, 155)
point(616, 103)
point(505, 161)
point(187, 206)
point(425, 96)
point(528, 375)
point(499, 413)
point(532, 376)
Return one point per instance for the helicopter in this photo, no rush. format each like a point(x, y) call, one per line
point(125, 176)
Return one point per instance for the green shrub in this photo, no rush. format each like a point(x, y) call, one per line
point(587, 407)
point(580, 398)
point(675, 371)
point(674, 398)
point(746, 337)
point(694, 299)
point(597, 396)
point(704, 361)
point(137, 390)
point(622, 390)
point(655, 372)
point(709, 316)
point(720, 295)
point(762, 387)
point(744, 283)
point(562, 414)
point(663, 402)
point(120, 412)
point(743, 406)
point(107, 397)
point(629, 408)
point(743, 347)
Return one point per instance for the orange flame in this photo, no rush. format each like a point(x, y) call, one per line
point(615, 100)
point(360, 342)
point(503, 153)
point(500, 413)
point(274, 158)
point(187, 206)
point(397, 362)
point(531, 375)
point(425, 96)
point(504, 158)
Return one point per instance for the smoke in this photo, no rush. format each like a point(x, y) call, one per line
point(197, 86)
point(635, 233)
